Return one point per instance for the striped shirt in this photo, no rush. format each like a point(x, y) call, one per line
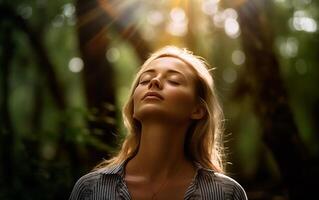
point(109, 184)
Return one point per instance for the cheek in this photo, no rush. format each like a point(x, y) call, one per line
point(135, 102)
point(136, 94)
point(182, 98)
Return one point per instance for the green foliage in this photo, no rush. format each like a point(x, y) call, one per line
point(51, 145)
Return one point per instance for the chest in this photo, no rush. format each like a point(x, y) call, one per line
point(158, 191)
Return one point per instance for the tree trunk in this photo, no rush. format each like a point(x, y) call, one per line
point(6, 128)
point(98, 76)
point(271, 102)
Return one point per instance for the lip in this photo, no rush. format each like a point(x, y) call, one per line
point(153, 95)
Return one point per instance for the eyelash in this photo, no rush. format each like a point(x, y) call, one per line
point(144, 82)
point(173, 82)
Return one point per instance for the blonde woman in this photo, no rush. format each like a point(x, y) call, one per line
point(173, 149)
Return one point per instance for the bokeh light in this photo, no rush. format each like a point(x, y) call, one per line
point(112, 54)
point(238, 57)
point(177, 25)
point(76, 64)
point(301, 22)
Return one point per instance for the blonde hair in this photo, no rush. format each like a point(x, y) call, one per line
point(203, 142)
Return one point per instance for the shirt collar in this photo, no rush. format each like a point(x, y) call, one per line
point(119, 169)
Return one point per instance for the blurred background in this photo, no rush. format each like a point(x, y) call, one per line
point(66, 67)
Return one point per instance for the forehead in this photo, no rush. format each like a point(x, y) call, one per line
point(168, 63)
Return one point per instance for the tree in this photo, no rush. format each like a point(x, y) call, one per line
point(98, 76)
point(271, 101)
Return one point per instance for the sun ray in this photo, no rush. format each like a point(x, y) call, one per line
point(88, 17)
point(95, 40)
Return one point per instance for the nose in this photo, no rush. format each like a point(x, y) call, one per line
point(155, 82)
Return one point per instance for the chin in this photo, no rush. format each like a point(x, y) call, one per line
point(150, 113)
point(158, 115)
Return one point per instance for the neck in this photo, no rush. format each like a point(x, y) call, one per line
point(161, 150)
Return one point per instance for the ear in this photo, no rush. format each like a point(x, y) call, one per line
point(198, 112)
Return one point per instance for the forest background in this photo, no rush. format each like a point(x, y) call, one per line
point(66, 68)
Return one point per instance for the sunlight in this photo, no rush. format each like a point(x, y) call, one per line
point(227, 19)
point(76, 64)
point(68, 10)
point(302, 22)
point(89, 16)
point(58, 21)
point(231, 28)
point(148, 34)
point(288, 47)
point(238, 57)
point(167, 21)
point(210, 7)
point(112, 54)
point(229, 75)
point(155, 17)
point(178, 22)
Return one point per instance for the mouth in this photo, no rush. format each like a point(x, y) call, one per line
point(153, 95)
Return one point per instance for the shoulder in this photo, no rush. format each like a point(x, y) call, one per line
point(222, 185)
point(86, 185)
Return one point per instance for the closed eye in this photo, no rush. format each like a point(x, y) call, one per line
point(173, 82)
point(143, 82)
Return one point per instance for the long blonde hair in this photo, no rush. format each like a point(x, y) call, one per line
point(203, 142)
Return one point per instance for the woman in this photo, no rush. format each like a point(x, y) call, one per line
point(173, 149)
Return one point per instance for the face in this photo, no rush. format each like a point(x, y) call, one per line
point(166, 91)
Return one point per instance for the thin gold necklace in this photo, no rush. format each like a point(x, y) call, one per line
point(154, 194)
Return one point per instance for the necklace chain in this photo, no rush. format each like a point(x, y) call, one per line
point(154, 194)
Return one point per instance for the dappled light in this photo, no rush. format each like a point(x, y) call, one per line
point(288, 47)
point(76, 64)
point(112, 54)
point(229, 75)
point(238, 57)
point(301, 22)
point(25, 11)
point(177, 26)
point(67, 68)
